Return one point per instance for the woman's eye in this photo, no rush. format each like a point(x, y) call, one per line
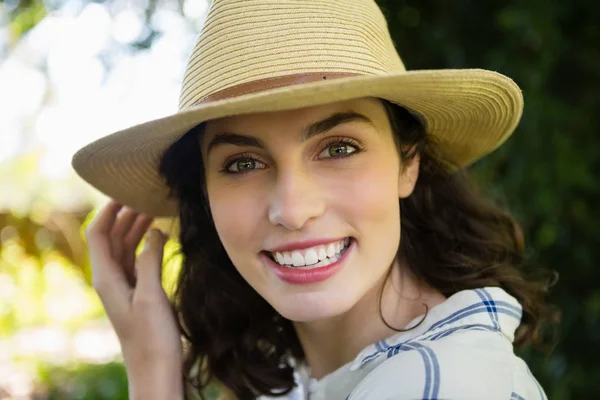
point(337, 150)
point(243, 165)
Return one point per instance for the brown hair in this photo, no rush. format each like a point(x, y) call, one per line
point(453, 237)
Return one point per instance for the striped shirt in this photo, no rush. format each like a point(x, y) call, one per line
point(462, 350)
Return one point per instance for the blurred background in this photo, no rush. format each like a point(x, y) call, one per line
point(74, 70)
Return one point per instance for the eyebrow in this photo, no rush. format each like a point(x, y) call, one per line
point(310, 131)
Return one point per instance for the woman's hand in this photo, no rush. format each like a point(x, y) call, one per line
point(135, 301)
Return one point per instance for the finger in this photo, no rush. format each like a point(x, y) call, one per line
point(132, 241)
point(137, 231)
point(104, 264)
point(114, 290)
point(123, 224)
point(149, 264)
point(104, 221)
point(108, 278)
point(121, 227)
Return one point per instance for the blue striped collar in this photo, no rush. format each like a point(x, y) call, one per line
point(489, 308)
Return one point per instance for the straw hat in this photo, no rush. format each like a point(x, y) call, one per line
point(271, 55)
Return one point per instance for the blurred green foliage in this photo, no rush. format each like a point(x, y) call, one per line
point(547, 172)
point(89, 382)
point(82, 381)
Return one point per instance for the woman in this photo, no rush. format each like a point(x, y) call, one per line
point(333, 246)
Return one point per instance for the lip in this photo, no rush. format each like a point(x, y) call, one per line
point(305, 244)
point(303, 277)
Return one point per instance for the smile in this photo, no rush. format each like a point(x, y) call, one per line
point(312, 257)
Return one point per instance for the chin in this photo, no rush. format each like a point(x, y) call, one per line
point(315, 306)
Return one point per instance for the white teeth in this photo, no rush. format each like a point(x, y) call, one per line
point(322, 254)
point(325, 262)
point(279, 257)
point(297, 259)
point(311, 257)
point(317, 256)
point(331, 250)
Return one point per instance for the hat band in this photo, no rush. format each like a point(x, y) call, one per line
point(272, 83)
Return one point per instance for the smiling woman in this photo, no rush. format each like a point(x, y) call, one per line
point(309, 241)
point(333, 245)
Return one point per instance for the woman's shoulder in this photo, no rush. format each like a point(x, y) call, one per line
point(468, 365)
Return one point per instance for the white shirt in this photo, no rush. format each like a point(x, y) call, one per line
point(462, 350)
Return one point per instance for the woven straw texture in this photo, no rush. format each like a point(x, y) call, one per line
point(251, 43)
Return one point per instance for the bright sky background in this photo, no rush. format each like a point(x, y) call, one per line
point(75, 78)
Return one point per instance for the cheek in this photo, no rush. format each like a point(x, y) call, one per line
point(236, 217)
point(371, 195)
point(369, 202)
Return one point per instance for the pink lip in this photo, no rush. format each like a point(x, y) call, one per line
point(303, 244)
point(299, 276)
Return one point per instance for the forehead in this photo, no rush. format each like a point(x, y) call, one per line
point(297, 119)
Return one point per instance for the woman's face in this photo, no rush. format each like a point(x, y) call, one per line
point(318, 185)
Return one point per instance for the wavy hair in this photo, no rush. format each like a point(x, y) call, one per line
point(453, 237)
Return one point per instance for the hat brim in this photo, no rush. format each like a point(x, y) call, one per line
point(469, 112)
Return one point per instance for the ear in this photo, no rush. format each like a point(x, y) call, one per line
point(409, 173)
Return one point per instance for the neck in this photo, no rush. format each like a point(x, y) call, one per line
point(329, 344)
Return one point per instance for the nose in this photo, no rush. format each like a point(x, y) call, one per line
point(296, 198)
